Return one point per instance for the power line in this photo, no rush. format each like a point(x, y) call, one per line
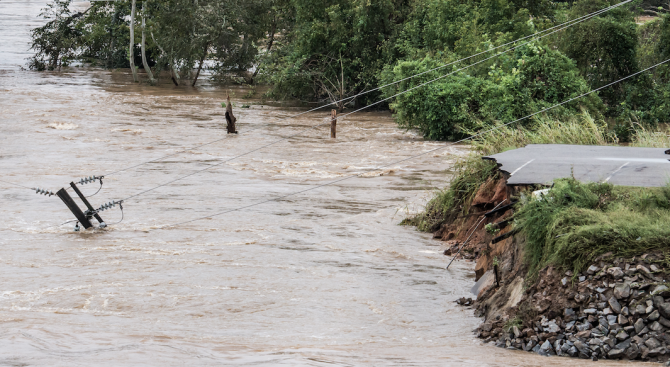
point(417, 155)
point(566, 24)
point(358, 110)
point(15, 184)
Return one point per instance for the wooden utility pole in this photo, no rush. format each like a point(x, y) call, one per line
point(132, 42)
point(333, 124)
point(230, 118)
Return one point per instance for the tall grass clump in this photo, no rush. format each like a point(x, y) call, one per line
point(576, 222)
point(651, 139)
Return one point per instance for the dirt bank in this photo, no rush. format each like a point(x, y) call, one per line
point(619, 308)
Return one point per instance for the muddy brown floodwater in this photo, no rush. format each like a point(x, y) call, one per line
point(322, 278)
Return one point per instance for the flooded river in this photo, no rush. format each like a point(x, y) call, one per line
point(326, 277)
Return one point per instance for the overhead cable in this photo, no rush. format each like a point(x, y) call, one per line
point(566, 24)
point(15, 184)
point(417, 155)
point(355, 111)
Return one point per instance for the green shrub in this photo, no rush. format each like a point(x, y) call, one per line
point(533, 78)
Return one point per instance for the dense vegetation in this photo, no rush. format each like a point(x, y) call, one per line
point(329, 50)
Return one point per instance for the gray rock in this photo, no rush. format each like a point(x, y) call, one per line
point(584, 326)
point(656, 352)
point(661, 291)
point(570, 325)
point(592, 270)
point(623, 345)
point(582, 278)
point(566, 346)
point(624, 311)
point(516, 331)
point(572, 352)
point(564, 281)
point(614, 305)
point(653, 268)
point(639, 325)
point(615, 353)
point(568, 312)
point(652, 343)
point(664, 309)
point(609, 341)
point(615, 272)
point(600, 289)
point(655, 326)
point(536, 349)
point(582, 347)
point(607, 311)
point(649, 309)
point(663, 321)
point(643, 269)
point(595, 341)
point(583, 334)
point(653, 316)
point(629, 329)
point(644, 331)
point(640, 310)
point(632, 352)
point(590, 311)
point(622, 290)
point(657, 301)
point(603, 322)
point(611, 319)
point(622, 335)
point(622, 320)
point(552, 327)
point(546, 348)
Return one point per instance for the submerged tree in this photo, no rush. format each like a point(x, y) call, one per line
point(181, 36)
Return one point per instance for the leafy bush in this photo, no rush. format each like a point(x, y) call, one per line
point(533, 78)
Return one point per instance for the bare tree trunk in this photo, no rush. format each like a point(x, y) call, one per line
point(144, 53)
point(230, 119)
point(132, 41)
point(172, 73)
point(202, 61)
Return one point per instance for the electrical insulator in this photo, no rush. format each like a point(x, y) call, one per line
point(40, 191)
point(90, 179)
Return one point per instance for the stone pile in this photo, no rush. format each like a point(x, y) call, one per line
point(615, 311)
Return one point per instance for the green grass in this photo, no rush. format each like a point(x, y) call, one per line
point(577, 222)
point(650, 138)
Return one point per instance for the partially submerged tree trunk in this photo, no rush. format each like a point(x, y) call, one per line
point(144, 53)
point(172, 73)
point(132, 41)
point(230, 119)
point(202, 61)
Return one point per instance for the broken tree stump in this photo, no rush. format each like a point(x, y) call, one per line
point(230, 118)
point(333, 124)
